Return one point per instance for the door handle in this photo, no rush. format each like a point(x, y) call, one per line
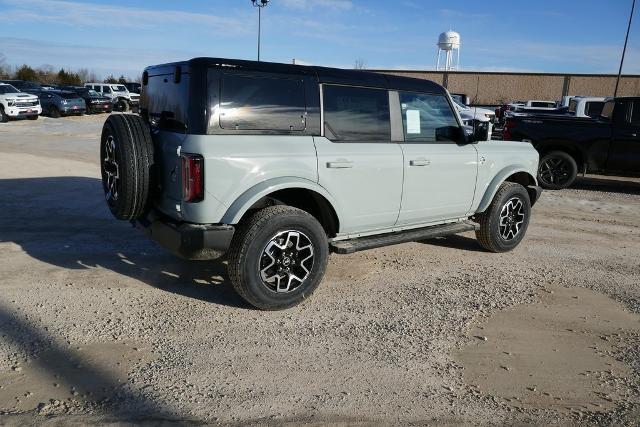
point(419, 162)
point(340, 164)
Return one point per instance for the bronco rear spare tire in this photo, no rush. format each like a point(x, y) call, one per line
point(126, 162)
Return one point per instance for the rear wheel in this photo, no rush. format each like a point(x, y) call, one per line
point(126, 160)
point(505, 222)
point(278, 257)
point(557, 170)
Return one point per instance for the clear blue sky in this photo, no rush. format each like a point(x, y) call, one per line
point(120, 36)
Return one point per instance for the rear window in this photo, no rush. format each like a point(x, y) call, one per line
point(356, 114)
point(262, 103)
point(543, 104)
point(594, 108)
point(573, 106)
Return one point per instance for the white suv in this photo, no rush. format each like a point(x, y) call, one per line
point(276, 165)
point(121, 98)
point(16, 104)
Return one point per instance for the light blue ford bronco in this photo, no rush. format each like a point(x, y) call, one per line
point(277, 165)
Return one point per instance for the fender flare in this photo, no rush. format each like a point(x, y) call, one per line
point(499, 178)
point(241, 205)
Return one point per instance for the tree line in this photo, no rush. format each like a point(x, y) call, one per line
point(48, 75)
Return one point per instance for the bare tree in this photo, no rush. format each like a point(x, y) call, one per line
point(5, 69)
point(360, 64)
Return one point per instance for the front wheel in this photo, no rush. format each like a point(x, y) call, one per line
point(54, 112)
point(278, 257)
point(557, 170)
point(3, 116)
point(505, 222)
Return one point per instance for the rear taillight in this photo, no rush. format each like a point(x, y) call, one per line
point(192, 178)
point(506, 132)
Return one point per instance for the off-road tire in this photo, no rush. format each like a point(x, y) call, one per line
point(568, 163)
point(489, 235)
point(3, 117)
point(134, 156)
point(250, 240)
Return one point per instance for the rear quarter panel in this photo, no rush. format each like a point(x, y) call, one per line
point(235, 167)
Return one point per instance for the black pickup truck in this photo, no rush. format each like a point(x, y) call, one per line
point(609, 144)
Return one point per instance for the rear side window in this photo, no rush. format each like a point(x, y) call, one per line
point(594, 109)
point(573, 106)
point(428, 118)
point(262, 103)
point(356, 114)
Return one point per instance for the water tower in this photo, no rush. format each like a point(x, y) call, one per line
point(449, 43)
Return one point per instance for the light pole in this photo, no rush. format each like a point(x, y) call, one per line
point(260, 4)
point(624, 49)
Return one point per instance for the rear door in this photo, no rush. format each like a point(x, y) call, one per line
point(357, 162)
point(624, 156)
point(439, 172)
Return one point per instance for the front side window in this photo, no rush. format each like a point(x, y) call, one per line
point(428, 118)
point(106, 89)
point(356, 114)
point(262, 103)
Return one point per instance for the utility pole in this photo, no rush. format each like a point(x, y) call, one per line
point(624, 49)
point(260, 4)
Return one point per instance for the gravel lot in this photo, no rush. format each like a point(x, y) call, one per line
point(97, 324)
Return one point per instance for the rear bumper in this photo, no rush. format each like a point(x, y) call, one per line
point(534, 193)
point(186, 240)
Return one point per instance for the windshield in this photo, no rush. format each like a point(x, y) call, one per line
point(67, 95)
point(120, 88)
point(8, 89)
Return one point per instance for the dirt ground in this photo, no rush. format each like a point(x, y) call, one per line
point(99, 325)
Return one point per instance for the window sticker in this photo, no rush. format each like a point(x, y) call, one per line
point(413, 122)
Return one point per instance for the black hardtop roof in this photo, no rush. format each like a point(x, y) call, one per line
point(323, 74)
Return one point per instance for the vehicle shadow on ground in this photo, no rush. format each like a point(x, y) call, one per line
point(607, 185)
point(65, 222)
point(455, 241)
point(62, 363)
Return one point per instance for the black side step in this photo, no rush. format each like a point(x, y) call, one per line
point(378, 241)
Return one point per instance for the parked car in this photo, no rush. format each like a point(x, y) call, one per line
point(15, 104)
point(56, 103)
point(24, 86)
point(461, 98)
point(94, 102)
point(288, 162)
point(568, 145)
point(474, 115)
point(121, 98)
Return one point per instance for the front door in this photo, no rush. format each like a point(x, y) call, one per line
point(439, 172)
point(357, 162)
point(624, 155)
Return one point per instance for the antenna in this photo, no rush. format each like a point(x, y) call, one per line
point(449, 43)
